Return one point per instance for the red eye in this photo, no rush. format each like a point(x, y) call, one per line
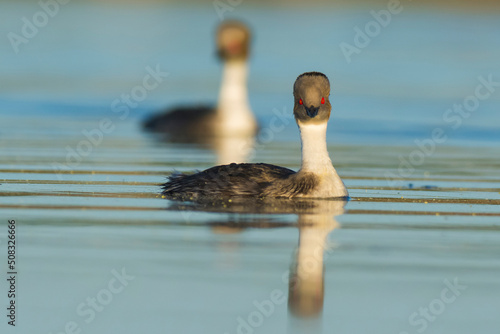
point(300, 102)
point(322, 100)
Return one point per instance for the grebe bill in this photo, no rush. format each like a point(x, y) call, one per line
point(317, 178)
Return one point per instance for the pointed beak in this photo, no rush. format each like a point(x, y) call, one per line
point(311, 111)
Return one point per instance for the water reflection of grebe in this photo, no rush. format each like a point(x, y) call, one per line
point(306, 288)
point(317, 178)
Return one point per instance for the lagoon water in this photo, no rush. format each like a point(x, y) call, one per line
point(415, 250)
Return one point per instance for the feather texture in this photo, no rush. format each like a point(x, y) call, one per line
point(240, 180)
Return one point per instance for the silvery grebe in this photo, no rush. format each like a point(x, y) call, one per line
point(316, 178)
point(232, 116)
point(306, 282)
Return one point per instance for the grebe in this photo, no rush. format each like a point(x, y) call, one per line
point(232, 115)
point(316, 178)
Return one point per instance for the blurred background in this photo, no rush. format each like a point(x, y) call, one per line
point(419, 216)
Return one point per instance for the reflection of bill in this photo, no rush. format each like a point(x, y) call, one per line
point(306, 281)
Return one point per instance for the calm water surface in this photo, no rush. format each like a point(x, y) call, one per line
point(415, 250)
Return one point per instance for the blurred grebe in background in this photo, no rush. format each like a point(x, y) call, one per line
point(232, 116)
point(317, 178)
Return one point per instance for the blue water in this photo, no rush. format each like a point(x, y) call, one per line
point(388, 255)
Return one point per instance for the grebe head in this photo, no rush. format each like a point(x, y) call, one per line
point(233, 41)
point(312, 104)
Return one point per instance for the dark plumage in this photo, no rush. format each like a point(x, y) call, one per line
point(239, 180)
point(182, 121)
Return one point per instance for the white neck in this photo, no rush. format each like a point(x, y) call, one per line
point(233, 97)
point(315, 156)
